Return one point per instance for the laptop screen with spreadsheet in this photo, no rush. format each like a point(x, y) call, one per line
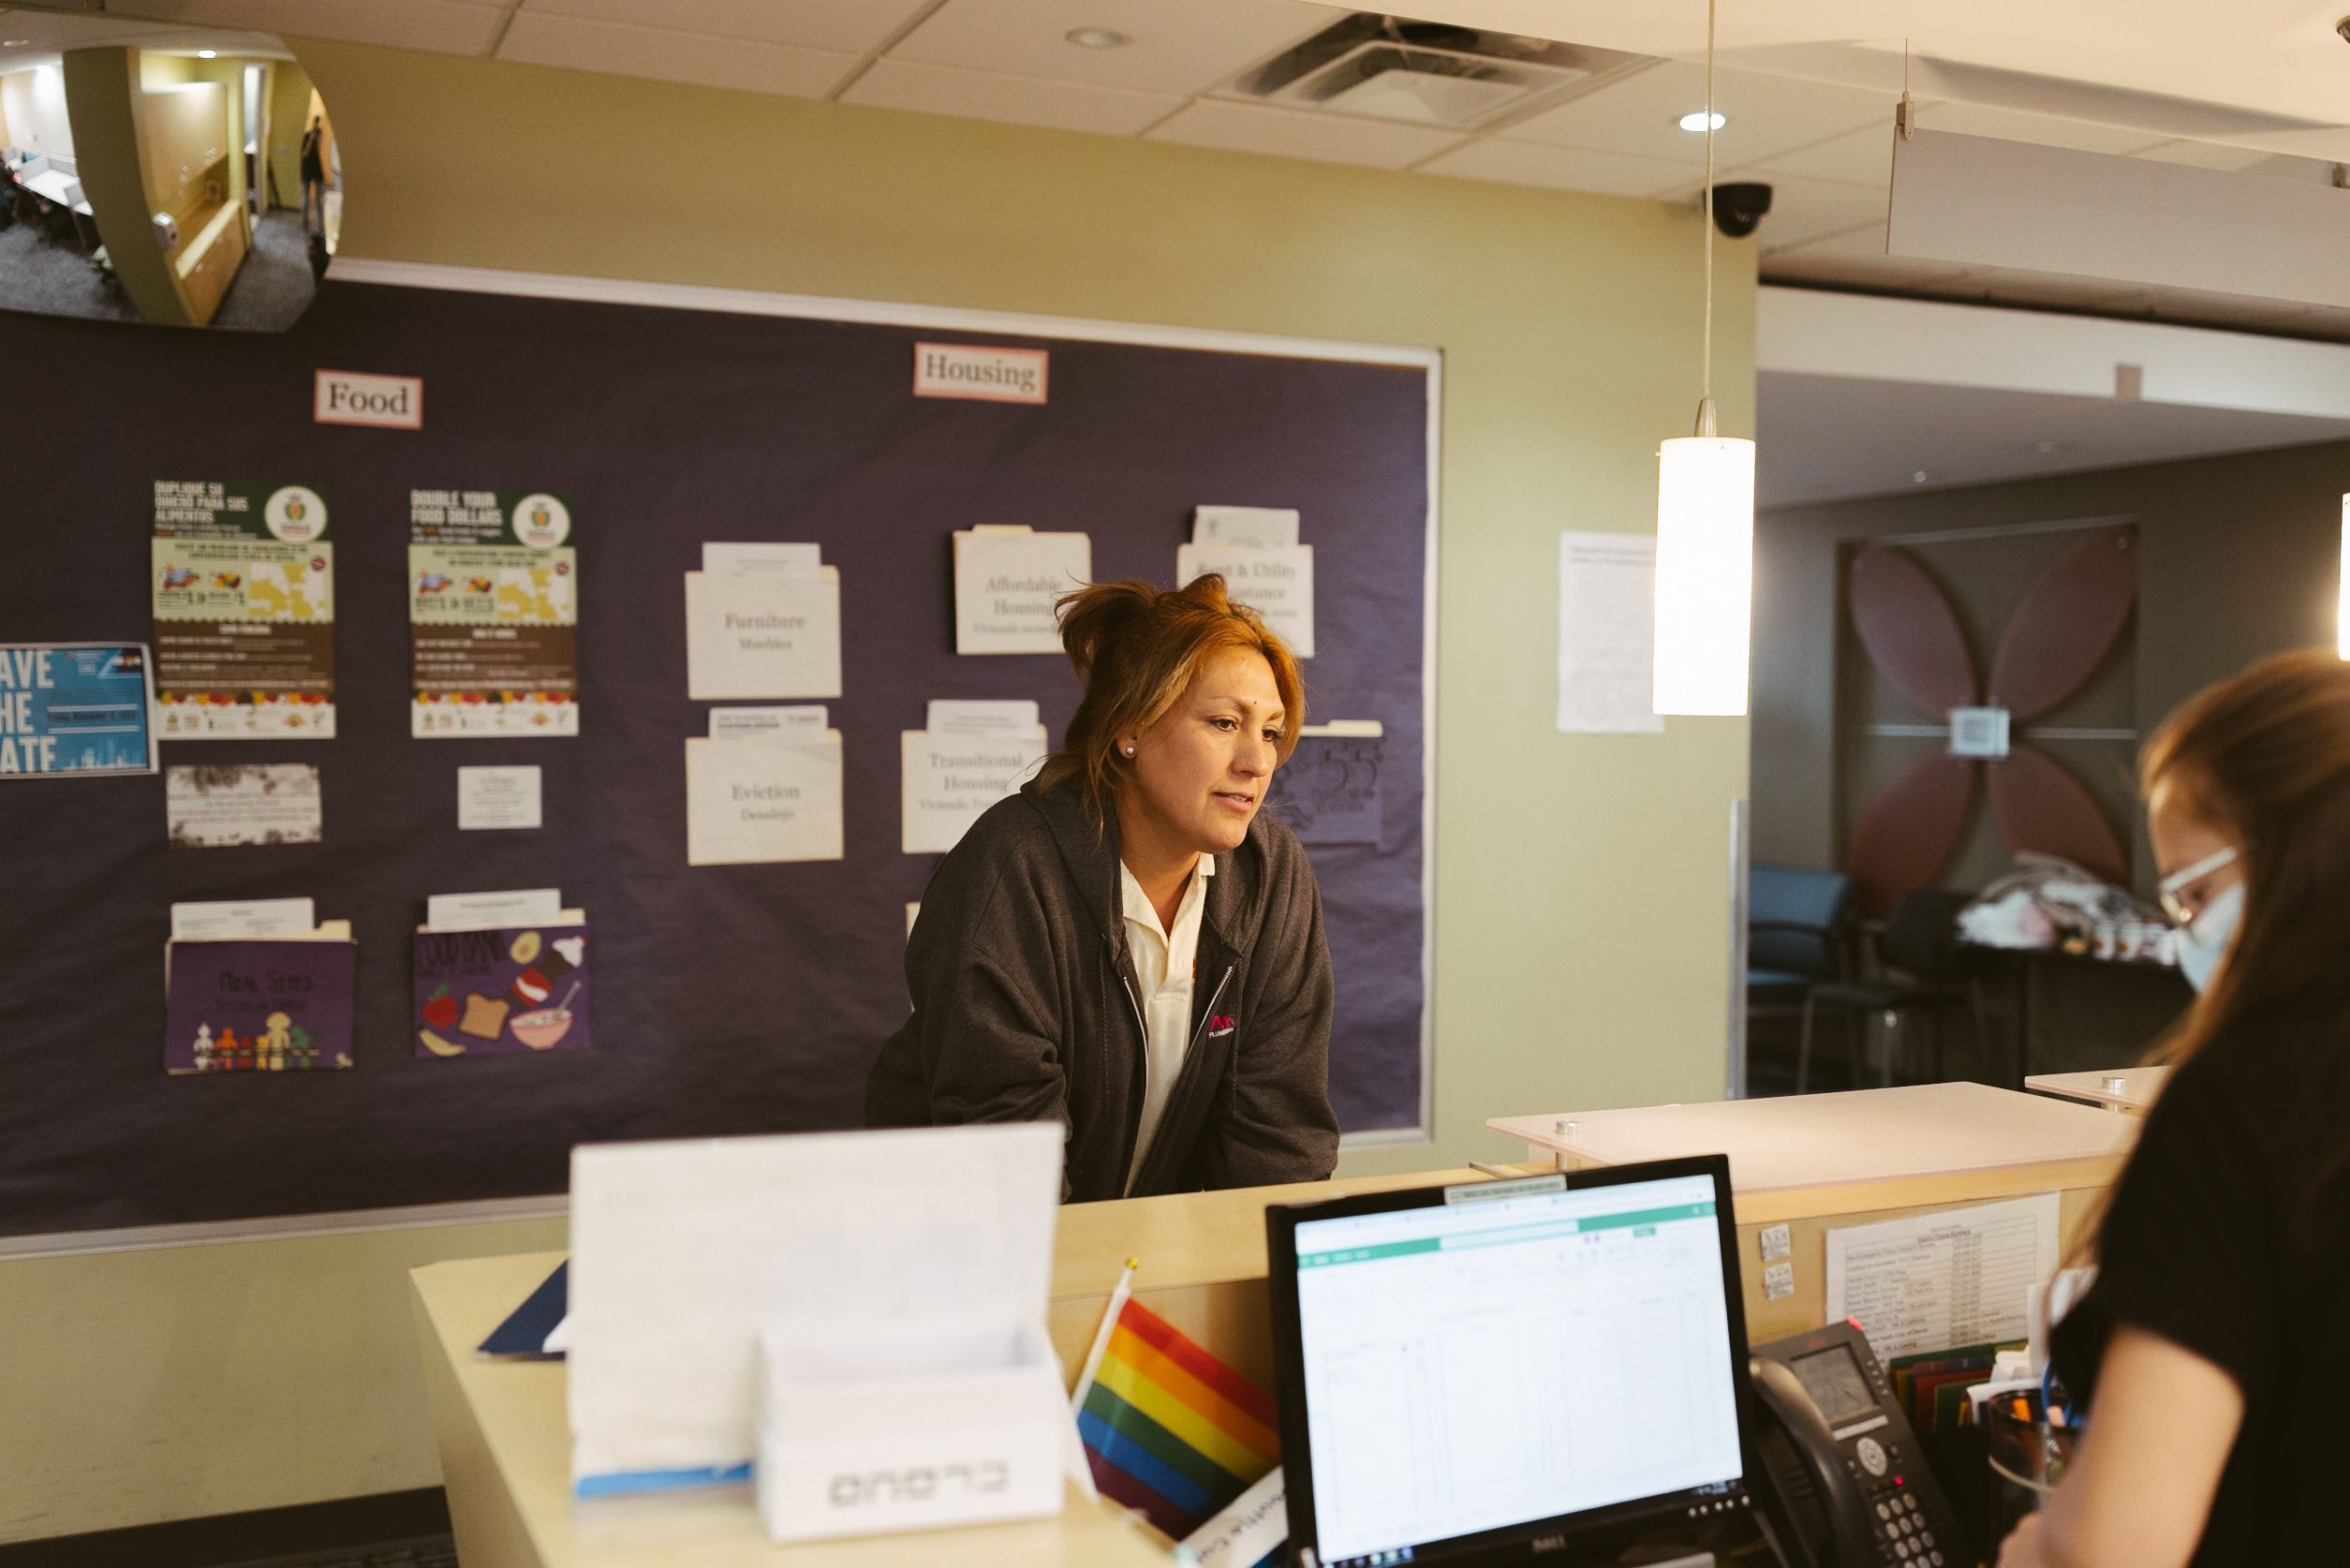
point(1510, 1358)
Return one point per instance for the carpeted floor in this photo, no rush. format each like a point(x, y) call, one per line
point(274, 286)
point(54, 278)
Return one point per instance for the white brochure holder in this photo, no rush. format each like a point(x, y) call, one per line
point(952, 1421)
point(838, 1304)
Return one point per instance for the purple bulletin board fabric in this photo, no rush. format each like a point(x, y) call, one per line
point(730, 999)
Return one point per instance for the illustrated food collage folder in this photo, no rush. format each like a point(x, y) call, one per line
point(510, 991)
point(684, 1253)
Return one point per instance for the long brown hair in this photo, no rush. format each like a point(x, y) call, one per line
point(1137, 648)
point(2266, 756)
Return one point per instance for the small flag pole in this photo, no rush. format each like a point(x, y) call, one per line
point(1119, 1294)
point(1080, 1467)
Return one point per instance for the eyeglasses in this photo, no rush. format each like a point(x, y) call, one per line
point(2172, 885)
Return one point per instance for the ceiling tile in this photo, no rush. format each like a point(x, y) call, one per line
point(859, 26)
point(1020, 100)
point(1243, 127)
point(1523, 163)
point(1639, 113)
point(602, 45)
point(1178, 45)
point(1861, 157)
point(443, 26)
point(1974, 119)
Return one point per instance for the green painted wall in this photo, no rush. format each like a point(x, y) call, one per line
point(1582, 883)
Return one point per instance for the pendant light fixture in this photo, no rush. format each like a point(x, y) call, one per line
point(1705, 546)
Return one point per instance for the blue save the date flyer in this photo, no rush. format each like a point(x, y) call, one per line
point(76, 708)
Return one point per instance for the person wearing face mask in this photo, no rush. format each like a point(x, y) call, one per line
point(1128, 946)
point(2202, 1353)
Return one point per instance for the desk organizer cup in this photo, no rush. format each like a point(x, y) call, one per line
point(2027, 1461)
point(911, 1425)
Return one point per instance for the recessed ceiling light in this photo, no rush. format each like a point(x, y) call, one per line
point(1098, 37)
point(207, 54)
point(14, 43)
point(1695, 121)
point(1920, 477)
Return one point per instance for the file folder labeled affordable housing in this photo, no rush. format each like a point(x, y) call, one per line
point(902, 1274)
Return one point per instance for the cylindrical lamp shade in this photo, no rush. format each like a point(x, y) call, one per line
point(1705, 573)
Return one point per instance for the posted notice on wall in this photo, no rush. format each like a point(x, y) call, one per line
point(79, 709)
point(244, 802)
point(763, 633)
point(1957, 1277)
point(1607, 634)
point(1328, 790)
point(1007, 583)
point(949, 779)
point(750, 801)
point(1274, 581)
point(492, 614)
point(243, 584)
point(503, 797)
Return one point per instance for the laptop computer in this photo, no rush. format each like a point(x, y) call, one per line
point(1504, 1371)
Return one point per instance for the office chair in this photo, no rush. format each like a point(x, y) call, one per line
point(1798, 922)
point(1922, 968)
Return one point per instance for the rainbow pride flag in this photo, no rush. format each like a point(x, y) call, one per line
point(1168, 1429)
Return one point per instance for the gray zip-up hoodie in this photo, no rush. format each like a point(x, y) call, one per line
point(1025, 1007)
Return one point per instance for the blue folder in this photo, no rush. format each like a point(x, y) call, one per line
point(523, 1337)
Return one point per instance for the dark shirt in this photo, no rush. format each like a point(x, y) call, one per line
point(2229, 1237)
point(313, 166)
point(1026, 1009)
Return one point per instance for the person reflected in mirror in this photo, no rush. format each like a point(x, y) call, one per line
point(2200, 1354)
point(314, 175)
point(1128, 945)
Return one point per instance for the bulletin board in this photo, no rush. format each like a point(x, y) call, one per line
point(728, 999)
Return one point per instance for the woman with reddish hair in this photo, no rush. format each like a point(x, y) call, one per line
point(1128, 946)
point(2204, 1351)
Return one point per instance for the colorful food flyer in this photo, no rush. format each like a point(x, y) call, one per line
point(75, 708)
point(243, 589)
point(492, 614)
point(501, 992)
point(258, 1006)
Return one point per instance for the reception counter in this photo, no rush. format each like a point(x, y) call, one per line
point(505, 1447)
point(1823, 1161)
point(1836, 1159)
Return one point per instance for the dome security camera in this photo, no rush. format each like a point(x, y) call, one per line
point(1738, 207)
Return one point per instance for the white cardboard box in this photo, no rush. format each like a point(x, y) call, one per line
point(947, 1422)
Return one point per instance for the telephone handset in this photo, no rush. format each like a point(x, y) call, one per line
point(1848, 1484)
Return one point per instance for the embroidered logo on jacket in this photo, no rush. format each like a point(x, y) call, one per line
point(1221, 1024)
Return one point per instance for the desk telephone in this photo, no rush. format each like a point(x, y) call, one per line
point(1848, 1483)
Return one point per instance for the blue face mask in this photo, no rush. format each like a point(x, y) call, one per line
point(2204, 942)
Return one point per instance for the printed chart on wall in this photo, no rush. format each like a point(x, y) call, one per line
point(492, 614)
point(242, 577)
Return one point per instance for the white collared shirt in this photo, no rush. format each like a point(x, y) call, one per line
point(1165, 963)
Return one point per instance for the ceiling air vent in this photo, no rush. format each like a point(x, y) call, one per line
point(1424, 72)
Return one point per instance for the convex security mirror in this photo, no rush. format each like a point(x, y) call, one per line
point(183, 176)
